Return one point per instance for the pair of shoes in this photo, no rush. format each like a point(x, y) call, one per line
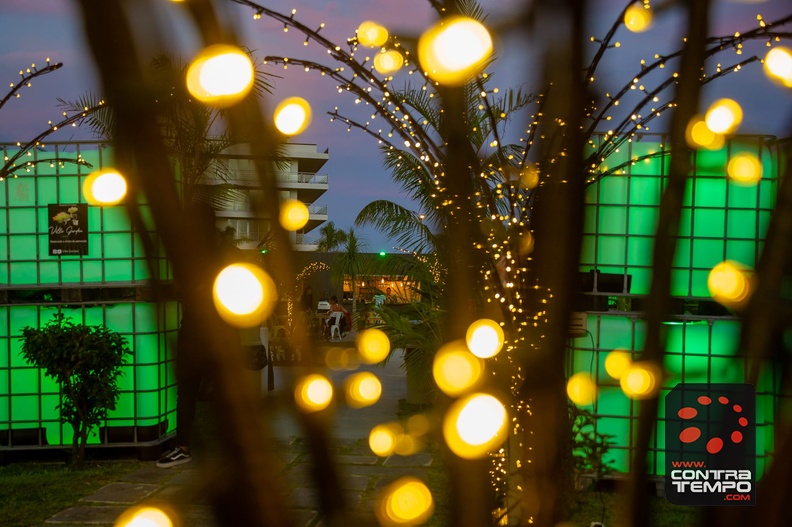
point(174, 457)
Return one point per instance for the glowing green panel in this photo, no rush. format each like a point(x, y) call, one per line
point(613, 189)
point(147, 377)
point(126, 381)
point(146, 350)
point(642, 220)
point(615, 332)
point(118, 245)
point(48, 385)
point(587, 250)
point(91, 156)
point(92, 270)
point(741, 251)
point(710, 192)
point(612, 220)
point(611, 251)
point(140, 269)
point(680, 282)
point(707, 253)
point(744, 196)
point(118, 270)
point(641, 278)
point(71, 270)
point(23, 247)
point(589, 220)
point(639, 251)
point(645, 190)
point(726, 370)
point(119, 318)
point(21, 192)
point(147, 404)
point(49, 407)
point(70, 193)
point(47, 190)
point(21, 221)
point(710, 223)
point(710, 163)
point(125, 407)
point(115, 219)
point(685, 222)
point(4, 409)
point(682, 253)
point(699, 283)
point(24, 408)
point(741, 224)
point(767, 193)
point(94, 245)
point(725, 337)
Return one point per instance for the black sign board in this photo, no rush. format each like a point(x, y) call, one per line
point(68, 229)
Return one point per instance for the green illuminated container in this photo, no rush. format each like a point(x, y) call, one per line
point(103, 287)
point(720, 221)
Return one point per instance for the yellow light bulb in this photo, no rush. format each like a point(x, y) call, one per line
point(362, 389)
point(729, 284)
point(699, 135)
point(373, 345)
point(638, 18)
point(581, 389)
point(454, 50)
point(745, 169)
point(244, 295)
point(406, 501)
point(144, 517)
point(220, 75)
point(383, 438)
point(389, 62)
point(475, 425)
point(724, 116)
point(294, 214)
point(617, 362)
point(104, 187)
point(313, 393)
point(484, 338)
point(371, 34)
point(292, 116)
point(455, 369)
point(778, 65)
point(641, 380)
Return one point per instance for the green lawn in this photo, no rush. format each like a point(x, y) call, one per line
point(33, 492)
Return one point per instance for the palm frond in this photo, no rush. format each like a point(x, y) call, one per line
point(397, 222)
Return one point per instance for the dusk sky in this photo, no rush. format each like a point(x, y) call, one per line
point(33, 30)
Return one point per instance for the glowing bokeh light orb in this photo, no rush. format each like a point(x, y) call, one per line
point(778, 65)
point(745, 169)
point(383, 438)
point(484, 338)
point(373, 345)
point(581, 389)
point(371, 34)
point(406, 501)
point(362, 389)
point(292, 116)
point(724, 116)
point(244, 295)
point(221, 75)
point(313, 393)
point(294, 214)
point(729, 284)
point(641, 380)
point(637, 18)
point(455, 369)
point(388, 62)
point(104, 187)
point(454, 50)
point(475, 425)
point(144, 517)
point(699, 135)
point(617, 362)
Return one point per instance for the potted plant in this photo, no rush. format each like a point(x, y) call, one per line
point(86, 362)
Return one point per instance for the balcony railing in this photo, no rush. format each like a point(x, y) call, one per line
point(251, 177)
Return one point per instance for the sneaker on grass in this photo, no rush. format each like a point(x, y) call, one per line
point(174, 457)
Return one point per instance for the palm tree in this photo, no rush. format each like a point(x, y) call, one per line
point(195, 133)
point(330, 237)
point(351, 262)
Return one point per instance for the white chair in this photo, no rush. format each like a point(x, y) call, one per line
point(335, 325)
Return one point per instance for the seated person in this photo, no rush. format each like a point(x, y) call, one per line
point(335, 307)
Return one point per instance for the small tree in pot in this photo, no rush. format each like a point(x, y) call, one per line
point(86, 362)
